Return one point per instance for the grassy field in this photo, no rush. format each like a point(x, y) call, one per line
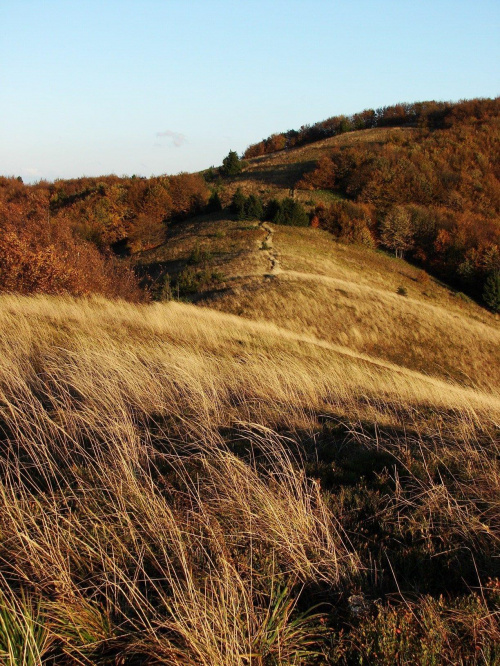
point(186, 486)
point(291, 457)
point(304, 281)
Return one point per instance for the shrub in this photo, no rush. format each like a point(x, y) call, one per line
point(287, 212)
point(231, 164)
point(199, 255)
point(164, 290)
point(210, 174)
point(422, 278)
point(491, 293)
point(348, 221)
point(190, 280)
point(463, 297)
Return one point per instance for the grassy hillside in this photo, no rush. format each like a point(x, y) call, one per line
point(419, 179)
point(289, 453)
point(181, 485)
point(302, 280)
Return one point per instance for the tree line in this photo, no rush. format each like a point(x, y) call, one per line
point(65, 237)
point(430, 115)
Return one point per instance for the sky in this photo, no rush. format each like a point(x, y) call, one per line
point(149, 87)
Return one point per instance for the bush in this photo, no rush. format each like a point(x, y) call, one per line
point(349, 222)
point(190, 280)
point(491, 293)
point(231, 165)
point(164, 289)
point(422, 278)
point(287, 212)
point(199, 255)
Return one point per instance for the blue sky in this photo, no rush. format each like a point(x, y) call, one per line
point(162, 86)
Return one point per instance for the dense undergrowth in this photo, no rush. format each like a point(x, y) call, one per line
point(181, 486)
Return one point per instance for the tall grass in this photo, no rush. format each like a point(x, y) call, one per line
point(163, 493)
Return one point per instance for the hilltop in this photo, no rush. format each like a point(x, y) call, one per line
point(420, 180)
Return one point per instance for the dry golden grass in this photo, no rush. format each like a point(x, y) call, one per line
point(117, 486)
point(302, 280)
point(148, 502)
point(347, 296)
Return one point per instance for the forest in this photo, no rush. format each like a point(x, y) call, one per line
point(432, 195)
point(68, 236)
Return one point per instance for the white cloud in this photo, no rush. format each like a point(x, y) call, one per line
point(178, 139)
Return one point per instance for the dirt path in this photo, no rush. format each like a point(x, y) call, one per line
point(267, 247)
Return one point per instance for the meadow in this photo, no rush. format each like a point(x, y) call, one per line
point(185, 486)
point(249, 434)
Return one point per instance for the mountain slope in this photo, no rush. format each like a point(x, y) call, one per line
point(292, 458)
point(301, 279)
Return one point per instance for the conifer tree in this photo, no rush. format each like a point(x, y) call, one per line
point(491, 293)
point(214, 203)
point(288, 212)
point(238, 203)
point(231, 165)
point(253, 209)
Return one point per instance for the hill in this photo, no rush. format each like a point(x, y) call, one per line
point(302, 280)
point(181, 485)
point(418, 180)
point(288, 452)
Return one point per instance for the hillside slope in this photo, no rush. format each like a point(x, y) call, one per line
point(290, 456)
point(301, 279)
point(180, 485)
point(277, 172)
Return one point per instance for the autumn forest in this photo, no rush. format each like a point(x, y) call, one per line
point(431, 194)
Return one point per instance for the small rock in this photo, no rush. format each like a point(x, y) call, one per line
point(358, 605)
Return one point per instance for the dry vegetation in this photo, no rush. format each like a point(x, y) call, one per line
point(183, 486)
point(303, 470)
point(342, 294)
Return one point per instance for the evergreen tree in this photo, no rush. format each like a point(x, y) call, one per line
point(272, 209)
point(214, 203)
point(231, 165)
point(288, 212)
point(491, 293)
point(238, 203)
point(253, 209)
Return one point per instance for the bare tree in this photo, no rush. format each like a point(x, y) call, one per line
point(396, 230)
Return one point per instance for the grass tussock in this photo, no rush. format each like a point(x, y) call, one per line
point(182, 486)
